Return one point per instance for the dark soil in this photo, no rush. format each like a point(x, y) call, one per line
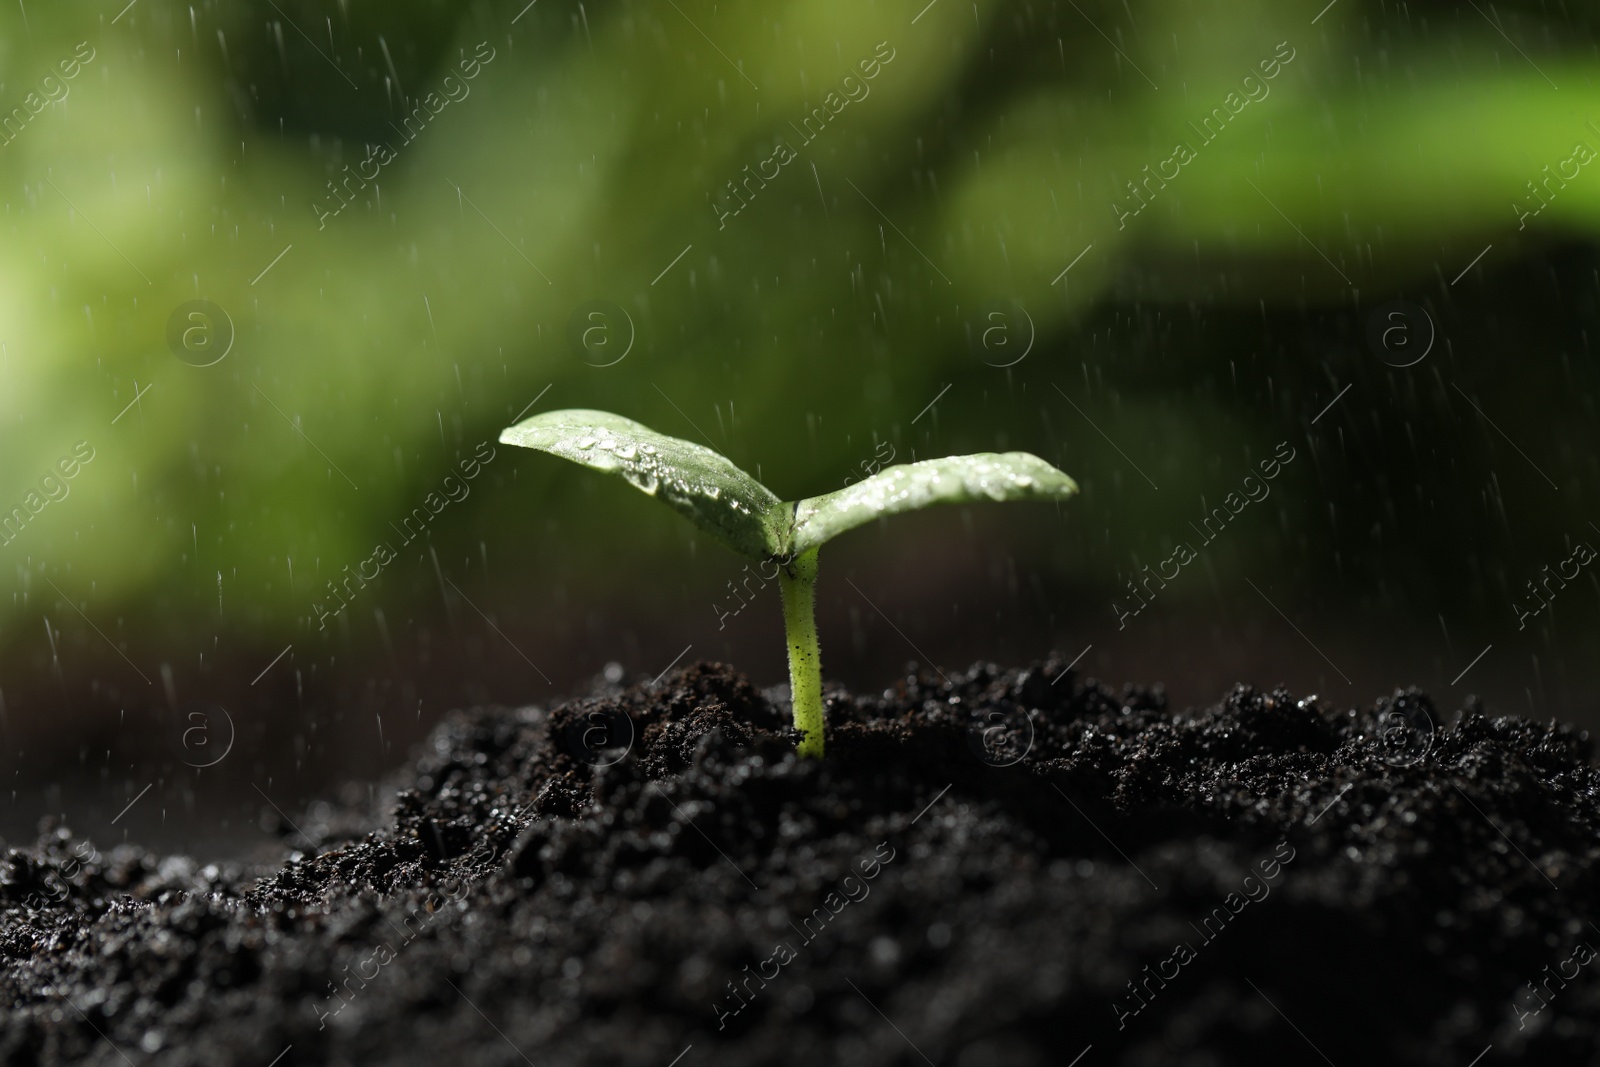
point(1269, 881)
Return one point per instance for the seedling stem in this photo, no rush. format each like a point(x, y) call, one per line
point(798, 580)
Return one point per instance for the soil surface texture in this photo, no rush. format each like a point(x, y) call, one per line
point(996, 868)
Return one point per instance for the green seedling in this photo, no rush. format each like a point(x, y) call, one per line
point(719, 498)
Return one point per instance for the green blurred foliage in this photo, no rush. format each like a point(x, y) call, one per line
point(593, 150)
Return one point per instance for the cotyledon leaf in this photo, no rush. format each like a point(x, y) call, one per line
point(910, 486)
point(702, 485)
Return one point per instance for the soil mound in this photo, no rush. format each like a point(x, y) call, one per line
point(995, 868)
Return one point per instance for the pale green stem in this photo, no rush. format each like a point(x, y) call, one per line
point(798, 580)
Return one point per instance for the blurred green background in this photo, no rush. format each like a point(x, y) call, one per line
point(945, 267)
